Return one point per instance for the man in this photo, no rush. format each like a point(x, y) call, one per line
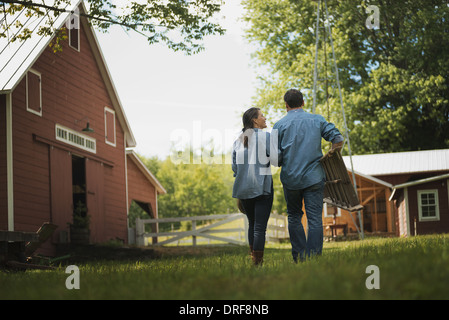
point(302, 176)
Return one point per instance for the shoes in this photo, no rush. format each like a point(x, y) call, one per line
point(297, 258)
point(257, 258)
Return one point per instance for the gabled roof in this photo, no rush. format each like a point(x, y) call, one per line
point(417, 182)
point(17, 57)
point(371, 178)
point(400, 162)
point(143, 168)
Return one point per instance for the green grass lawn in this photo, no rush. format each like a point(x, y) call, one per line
point(413, 268)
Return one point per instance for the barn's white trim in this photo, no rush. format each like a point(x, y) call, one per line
point(37, 73)
point(9, 163)
point(108, 140)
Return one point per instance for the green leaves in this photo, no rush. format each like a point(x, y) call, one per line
point(181, 25)
point(193, 189)
point(394, 78)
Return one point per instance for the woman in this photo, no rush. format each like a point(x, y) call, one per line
point(253, 184)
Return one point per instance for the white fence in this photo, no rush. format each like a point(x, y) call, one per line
point(276, 230)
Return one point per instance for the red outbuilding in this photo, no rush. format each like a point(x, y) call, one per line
point(64, 136)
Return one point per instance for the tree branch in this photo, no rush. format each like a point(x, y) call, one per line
point(31, 4)
point(172, 16)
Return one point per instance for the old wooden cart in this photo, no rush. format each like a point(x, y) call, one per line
point(17, 247)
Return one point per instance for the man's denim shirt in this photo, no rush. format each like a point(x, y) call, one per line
point(299, 147)
point(251, 165)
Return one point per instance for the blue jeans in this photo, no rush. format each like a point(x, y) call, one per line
point(313, 202)
point(258, 212)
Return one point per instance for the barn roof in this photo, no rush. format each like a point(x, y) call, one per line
point(17, 57)
point(400, 162)
point(143, 168)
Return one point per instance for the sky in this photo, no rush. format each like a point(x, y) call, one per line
point(171, 98)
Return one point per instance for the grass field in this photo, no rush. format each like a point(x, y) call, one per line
point(413, 268)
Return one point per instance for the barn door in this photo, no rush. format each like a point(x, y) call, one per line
point(61, 192)
point(95, 200)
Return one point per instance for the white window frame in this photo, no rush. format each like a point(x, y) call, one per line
point(437, 207)
point(37, 73)
point(114, 144)
point(84, 141)
point(77, 27)
point(326, 215)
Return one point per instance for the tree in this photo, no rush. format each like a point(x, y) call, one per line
point(193, 189)
point(182, 25)
point(395, 78)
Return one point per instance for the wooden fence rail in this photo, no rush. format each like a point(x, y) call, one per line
point(277, 229)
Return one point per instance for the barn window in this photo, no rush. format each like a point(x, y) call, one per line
point(330, 210)
point(428, 205)
point(75, 139)
point(73, 26)
point(34, 92)
point(109, 125)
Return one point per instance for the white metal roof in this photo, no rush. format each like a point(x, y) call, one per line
point(18, 56)
point(400, 162)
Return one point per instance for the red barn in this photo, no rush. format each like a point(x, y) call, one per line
point(64, 136)
point(418, 190)
point(402, 194)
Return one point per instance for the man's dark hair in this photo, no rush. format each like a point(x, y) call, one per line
point(294, 98)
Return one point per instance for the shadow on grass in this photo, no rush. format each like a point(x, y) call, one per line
point(82, 254)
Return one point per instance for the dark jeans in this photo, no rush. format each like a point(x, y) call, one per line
point(258, 212)
point(313, 202)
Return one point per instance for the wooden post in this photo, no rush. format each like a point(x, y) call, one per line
point(140, 231)
point(414, 226)
point(375, 208)
point(390, 211)
point(193, 236)
point(246, 226)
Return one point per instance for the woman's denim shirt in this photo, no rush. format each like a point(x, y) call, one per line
point(251, 165)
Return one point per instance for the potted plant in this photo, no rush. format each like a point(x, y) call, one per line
point(79, 229)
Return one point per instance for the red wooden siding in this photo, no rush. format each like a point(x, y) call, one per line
point(139, 187)
point(116, 220)
point(61, 191)
point(396, 179)
point(30, 168)
point(429, 227)
point(3, 176)
point(72, 90)
point(95, 199)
